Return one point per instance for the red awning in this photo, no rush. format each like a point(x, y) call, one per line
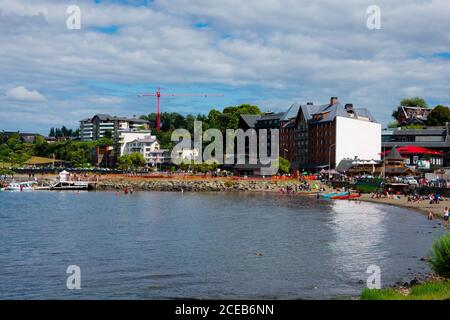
point(414, 150)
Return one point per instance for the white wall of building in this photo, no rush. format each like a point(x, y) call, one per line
point(126, 137)
point(357, 138)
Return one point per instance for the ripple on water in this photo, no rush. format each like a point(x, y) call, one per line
point(203, 245)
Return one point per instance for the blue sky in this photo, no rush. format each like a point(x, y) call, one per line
point(268, 53)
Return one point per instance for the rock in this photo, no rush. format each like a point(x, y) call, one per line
point(414, 281)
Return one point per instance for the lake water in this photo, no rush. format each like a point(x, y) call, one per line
point(157, 245)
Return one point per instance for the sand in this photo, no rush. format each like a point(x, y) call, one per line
point(423, 206)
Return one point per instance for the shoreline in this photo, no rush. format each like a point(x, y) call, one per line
point(226, 184)
point(422, 207)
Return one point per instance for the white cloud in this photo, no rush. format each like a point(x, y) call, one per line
point(306, 49)
point(21, 93)
point(107, 100)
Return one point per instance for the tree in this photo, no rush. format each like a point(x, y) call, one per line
point(439, 116)
point(108, 134)
point(131, 161)
point(137, 159)
point(392, 124)
point(283, 165)
point(414, 102)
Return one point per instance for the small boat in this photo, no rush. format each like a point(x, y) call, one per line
point(345, 197)
point(333, 195)
point(22, 186)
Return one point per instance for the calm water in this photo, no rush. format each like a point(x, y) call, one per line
point(202, 245)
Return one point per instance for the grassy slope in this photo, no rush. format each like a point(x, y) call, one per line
point(427, 291)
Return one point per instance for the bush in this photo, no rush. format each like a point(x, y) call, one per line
point(440, 256)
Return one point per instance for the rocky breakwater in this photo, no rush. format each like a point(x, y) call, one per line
point(194, 185)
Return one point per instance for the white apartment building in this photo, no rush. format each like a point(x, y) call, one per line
point(99, 125)
point(149, 147)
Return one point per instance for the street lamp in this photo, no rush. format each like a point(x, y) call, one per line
point(329, 160)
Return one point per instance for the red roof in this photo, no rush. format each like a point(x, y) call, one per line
point(414, 150)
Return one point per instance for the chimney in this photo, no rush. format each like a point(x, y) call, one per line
point(334, 100)
point(348, 107)
point(309, 103)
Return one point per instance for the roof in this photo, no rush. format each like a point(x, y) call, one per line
point(416, 150)
point(145, 139)
point(148, 139)
point(250, 119)
point(344, 165)
point(393, 154)
point(272, 116)
point(21, 134)
point(107, 117)
point(103, 117)
point(416, 132)
point(329, 112)
point(291, 112)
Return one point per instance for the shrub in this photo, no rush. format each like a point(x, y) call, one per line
point(440, 256)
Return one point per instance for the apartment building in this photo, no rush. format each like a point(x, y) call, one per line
point(101, 125)
point(337, 132)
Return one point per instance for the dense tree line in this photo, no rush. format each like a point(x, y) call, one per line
point(227, 119)
point(79, 153)
point(63, 132)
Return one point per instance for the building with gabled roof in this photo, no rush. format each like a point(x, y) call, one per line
point(407, 115)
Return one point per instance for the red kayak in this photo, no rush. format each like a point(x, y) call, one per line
point(351, 196)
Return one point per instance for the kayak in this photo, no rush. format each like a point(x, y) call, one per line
point(345, 197)
point(333, 195)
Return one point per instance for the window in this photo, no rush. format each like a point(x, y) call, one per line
point(415, 159)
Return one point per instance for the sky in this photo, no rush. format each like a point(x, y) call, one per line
point(264, 52)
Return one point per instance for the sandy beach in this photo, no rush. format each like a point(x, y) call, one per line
point(423, 206)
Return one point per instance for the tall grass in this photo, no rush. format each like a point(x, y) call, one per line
point(440, 256)
point(427, 291)
point(385, 294)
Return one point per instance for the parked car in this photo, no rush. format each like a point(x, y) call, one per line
point(409, 180)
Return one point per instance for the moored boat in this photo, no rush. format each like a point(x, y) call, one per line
point(20, 186)
point(347, 196)
point(333, 195)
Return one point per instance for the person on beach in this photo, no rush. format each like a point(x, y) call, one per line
point(430, 215)
point(446, 217)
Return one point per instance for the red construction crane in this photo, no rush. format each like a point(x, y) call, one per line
point(158, 96)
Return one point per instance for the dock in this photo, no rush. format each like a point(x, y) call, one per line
point(73, 185)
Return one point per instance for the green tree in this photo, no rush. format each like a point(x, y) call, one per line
point(131, 161)
point(439, 116)
point(108, 134)
point(283, 165)
point(392, 124)
point(414, 102)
